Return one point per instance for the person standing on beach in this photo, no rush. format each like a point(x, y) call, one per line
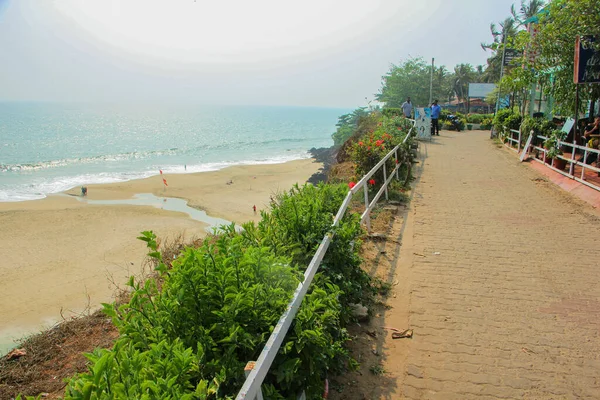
point(435, 116)
point(407, 108)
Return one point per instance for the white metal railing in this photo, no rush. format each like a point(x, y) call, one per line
point(258, 370)
point(572, 162)
point(510, 139)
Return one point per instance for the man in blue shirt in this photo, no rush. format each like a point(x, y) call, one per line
point(435, 115)
point(407, 108)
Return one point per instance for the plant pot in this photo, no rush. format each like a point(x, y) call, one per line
point(469, 126)
point(559, 163)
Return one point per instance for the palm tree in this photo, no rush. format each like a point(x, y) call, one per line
point(508, 29)
point(526, 11)
point(463, 75)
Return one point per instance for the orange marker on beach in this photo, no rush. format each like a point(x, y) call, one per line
point(165, 182)
point(254, 208)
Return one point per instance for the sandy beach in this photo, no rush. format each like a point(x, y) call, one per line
point(63, 253)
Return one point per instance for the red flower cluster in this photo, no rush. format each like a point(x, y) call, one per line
point(351, 185)
point(361, 144)
point(379, 143)
point(372, 182)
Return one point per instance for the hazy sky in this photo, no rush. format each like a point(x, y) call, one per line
point(276, 52)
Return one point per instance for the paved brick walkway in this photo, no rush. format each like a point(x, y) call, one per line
point(505, 280)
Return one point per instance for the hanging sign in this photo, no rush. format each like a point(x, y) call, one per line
point(510, 55)
point(587, 60)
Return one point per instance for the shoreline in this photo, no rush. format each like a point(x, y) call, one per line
point(62, 252)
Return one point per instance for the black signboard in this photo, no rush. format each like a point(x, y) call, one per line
point(587, 60)
point(510, 55)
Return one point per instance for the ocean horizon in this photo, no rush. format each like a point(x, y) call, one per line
point(48, 148)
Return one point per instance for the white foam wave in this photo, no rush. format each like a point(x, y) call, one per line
point(39, 189)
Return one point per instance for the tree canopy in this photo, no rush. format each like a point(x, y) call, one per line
point(412, 79)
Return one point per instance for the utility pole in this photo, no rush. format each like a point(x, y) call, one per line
point(431, 83)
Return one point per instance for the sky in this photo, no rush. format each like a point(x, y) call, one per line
point(325, 53)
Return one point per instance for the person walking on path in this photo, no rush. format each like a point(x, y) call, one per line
point(407, 108)
point(435, 116)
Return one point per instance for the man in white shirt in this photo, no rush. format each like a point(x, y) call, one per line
point(407, 108)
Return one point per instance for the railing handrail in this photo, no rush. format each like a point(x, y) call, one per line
point(572, 161)
point(251, 387)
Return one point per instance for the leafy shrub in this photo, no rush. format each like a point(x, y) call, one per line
point(444, 114)
point(513, 121)
point(392, 112)
point(218, 304)
point(374, 145)
point(486, 123)
point(475, 118)
point(506, 119)
point(296, 226)
point(540, 126)
point(347, 125)
point(552, 143)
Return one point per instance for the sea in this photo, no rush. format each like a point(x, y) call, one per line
point(51, 147)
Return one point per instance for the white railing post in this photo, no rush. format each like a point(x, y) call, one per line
point(368, 217)
point(397, 163)
point(385, 180)
point(572, 166)
point(247, 369)
point(583, 163)
point(519, 143)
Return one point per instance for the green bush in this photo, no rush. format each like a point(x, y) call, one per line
point(392, 112)
point(372, 147)
point(506, 119)
point(486, 123)
point(347, 125)
point(475, 118)
point(552, 143)
point(540, 126)
point(444, 114)
point(296, 226)
point(217, 305)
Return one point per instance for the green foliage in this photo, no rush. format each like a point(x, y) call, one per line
point(539, 126)
point(486, 123)
point(347, 125)
point(505, 120)
point(412, 79)
point(296, 225)
point(478, 118)
point(444, 114)
point(374, 145)
point(555, 40)
point(218, 304)
point(474, 118)
point(392, 112)
point(513, 121)
point(552, 143)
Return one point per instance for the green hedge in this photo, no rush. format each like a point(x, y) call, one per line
point(215, 308)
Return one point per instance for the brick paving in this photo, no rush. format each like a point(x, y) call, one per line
point(504, 283)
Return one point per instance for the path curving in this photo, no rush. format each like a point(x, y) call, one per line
point(503, 282)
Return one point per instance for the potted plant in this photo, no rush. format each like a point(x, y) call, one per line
point(553, 147)
point(469, 126)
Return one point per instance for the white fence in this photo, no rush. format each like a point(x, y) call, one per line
point(515, 137)
point(258, 370)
